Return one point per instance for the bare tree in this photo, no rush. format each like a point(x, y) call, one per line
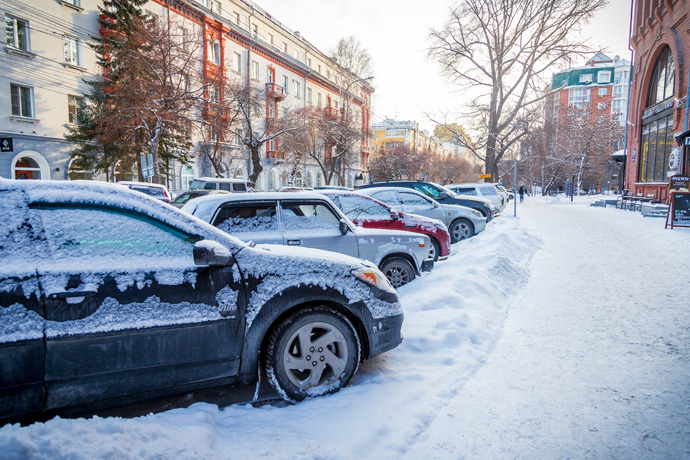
point(350, 54)
point(587, 137)
point(499, 49)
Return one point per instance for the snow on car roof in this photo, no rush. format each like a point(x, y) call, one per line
point(105, 193)
point(258, 196)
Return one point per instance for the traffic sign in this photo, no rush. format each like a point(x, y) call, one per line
point(484, 176)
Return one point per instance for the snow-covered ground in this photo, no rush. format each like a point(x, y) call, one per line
point(563, 333)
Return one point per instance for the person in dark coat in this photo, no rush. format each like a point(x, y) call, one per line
point(522, 193)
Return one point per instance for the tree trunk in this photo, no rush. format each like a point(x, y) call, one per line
point(257, 167)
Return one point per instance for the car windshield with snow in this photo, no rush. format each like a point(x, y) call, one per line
point(462, 222)
point(310, 220)
point(109, 296)
point(368, 212)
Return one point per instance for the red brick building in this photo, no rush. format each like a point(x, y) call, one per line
point(657, 118)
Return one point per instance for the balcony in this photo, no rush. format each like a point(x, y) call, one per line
point(274, 91)
point(330, 112)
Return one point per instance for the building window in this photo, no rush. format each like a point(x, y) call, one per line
point(27, 168)
point(184, 36)
point(604, 77)
point(663, 81)
point(237, 62)
point(309, 95)
point(318, 100)
point(309, 62)
point(76, 3)
point(73, 53)
point(284, 47)
point(586, 78)
point(621, 78)
point(22, 101)
point(215, 7)
point(269, 38)
point(579, 97)
point(74, 104)
point(17, 31)
point(285, 84)
point(657, 143)
point(214, 51)
point(236, 17)
point(255, 29)
point(298, 90)
point(255, 70)
point(603, 92)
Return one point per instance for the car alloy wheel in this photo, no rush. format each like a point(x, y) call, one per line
point(313, 352)
point(398, 271)
point(461, 229)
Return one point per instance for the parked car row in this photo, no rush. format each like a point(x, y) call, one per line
point(108, 296)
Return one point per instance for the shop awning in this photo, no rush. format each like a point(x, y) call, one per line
point(619, 155)
point(680, 138)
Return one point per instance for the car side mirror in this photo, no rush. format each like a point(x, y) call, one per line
point(342, 225)
point(212, 253)
point(436, 205)
point(443, 195)
point(395, 215)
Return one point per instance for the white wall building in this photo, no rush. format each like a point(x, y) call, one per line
point(47, 55)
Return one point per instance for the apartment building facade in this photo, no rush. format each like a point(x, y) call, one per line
point(44, 66)
point(389, 134)
point(601, 84)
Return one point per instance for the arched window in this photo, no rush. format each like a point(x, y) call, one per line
point(272, 180)
point(186, 176)
point(657, 120)
point(30, 165)
point(663, 81)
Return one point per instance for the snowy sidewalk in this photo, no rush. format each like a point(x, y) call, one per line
point(564, 333)
point(594, 358)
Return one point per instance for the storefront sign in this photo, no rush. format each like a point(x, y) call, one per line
point(634, 152)
point(6, 144)
point(679, 210)
point(651, 111)
point(680, 182)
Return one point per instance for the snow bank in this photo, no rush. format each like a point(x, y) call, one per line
point(452, 317)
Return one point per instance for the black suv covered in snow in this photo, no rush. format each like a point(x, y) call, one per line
point(442, 195)
point(109, 296)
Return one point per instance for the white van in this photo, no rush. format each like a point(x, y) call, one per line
point(211, 183)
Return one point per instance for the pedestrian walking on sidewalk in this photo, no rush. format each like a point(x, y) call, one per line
point(522, 193)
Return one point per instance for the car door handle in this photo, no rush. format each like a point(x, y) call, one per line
point(69, 294)
point(294, 242)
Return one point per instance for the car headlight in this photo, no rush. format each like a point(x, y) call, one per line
point(477, 213)
point(373, 277)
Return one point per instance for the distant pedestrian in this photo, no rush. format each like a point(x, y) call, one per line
point(522, 193)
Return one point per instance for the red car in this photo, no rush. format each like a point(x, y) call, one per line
point(369, 212)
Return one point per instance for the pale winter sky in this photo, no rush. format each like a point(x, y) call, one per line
point(395, 33)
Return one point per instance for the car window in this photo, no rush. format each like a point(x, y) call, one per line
point(388, 196)
point(97, 233)
point(358, 207)
point(250, 217)
point(412, 201)
point(185, 197)
point(308, 215)
point(225, 186)
point(196, 185)
point(210, 186)
point(239, 187)
point(428, 190)
point(488, 190)
point(151, 191)
point(466, 190)
point(21, 237)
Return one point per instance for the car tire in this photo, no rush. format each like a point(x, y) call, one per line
point(398, 271)
point(328, 365)
point(435, 250)
point(461, 229)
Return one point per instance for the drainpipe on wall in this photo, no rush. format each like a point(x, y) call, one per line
point(627, 108)
point(247, 151)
